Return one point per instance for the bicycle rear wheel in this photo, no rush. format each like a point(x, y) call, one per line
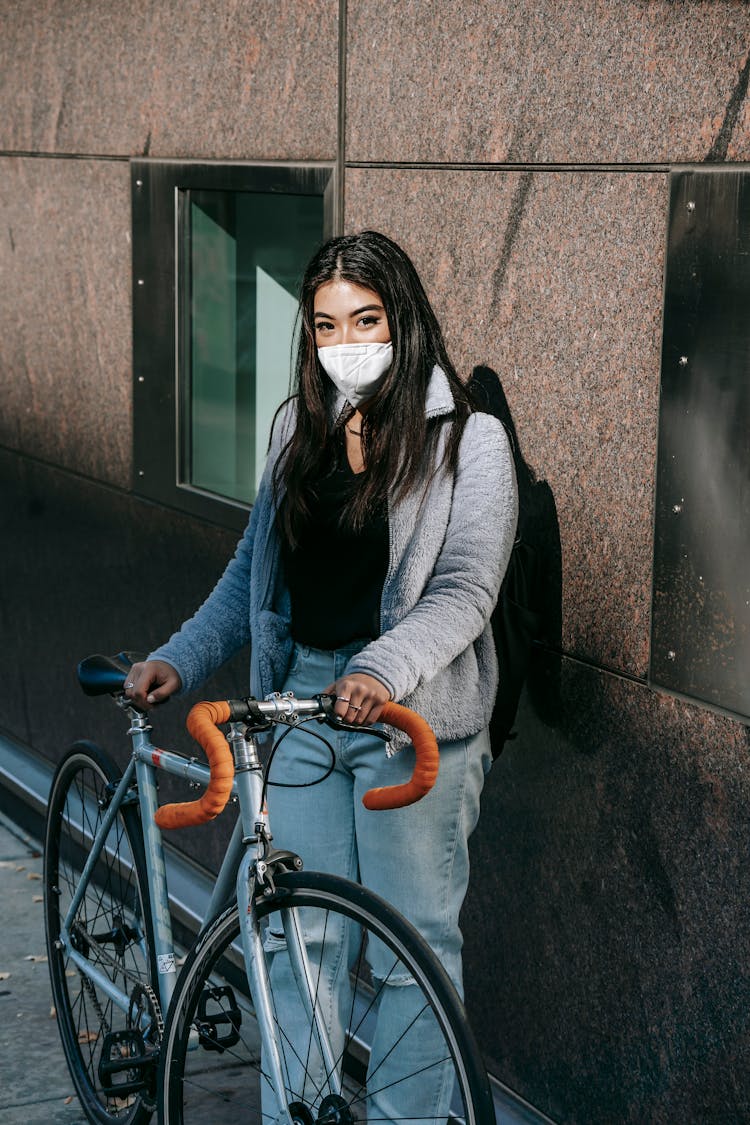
point(111, 1052)
point(402, 1050)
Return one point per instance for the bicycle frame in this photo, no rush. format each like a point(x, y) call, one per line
point(239, 872)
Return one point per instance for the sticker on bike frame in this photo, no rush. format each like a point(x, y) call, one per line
point(165, 962)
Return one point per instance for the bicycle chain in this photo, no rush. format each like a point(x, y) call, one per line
point(129, 976)
point(155, 1008)
point(157, 1011)
point(88, 986)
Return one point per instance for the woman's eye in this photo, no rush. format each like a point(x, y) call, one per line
point(367, 321)
point(323, 326)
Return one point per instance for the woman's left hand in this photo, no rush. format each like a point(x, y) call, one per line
point(359, 698)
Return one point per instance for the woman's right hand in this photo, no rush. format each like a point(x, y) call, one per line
point(151, 682)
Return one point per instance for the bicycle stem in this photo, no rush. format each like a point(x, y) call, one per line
point(248, 778)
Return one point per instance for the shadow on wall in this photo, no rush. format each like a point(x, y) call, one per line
point(529, 610)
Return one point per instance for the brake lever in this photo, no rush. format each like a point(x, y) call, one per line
point(335, 722)
point(339, 724)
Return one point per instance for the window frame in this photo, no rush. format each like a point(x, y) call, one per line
point(160, 306)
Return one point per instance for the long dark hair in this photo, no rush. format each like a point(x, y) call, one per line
point(399, 443)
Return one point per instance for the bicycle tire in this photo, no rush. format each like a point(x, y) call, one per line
point(204, 1083)
point(112, 928)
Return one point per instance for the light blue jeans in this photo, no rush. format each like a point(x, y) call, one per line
point(416, 858)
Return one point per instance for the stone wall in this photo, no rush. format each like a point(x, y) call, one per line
point(521, 154)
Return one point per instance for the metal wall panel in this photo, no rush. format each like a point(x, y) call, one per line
point(701, 596)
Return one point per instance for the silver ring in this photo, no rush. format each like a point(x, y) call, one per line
point(129, 684)
point(353, 707)
point(343, 699)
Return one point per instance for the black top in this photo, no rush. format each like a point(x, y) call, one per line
point(335, 575)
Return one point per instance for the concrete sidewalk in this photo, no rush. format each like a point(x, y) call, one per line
point(35, 1087)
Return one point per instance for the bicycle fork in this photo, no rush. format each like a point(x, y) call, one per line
point(256, 837)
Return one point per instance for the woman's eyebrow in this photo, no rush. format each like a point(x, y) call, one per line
point(356, 312)
point(367, 308)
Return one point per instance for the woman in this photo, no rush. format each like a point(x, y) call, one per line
point(370, 567)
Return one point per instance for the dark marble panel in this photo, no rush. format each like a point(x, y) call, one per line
point(609, 906)
point(163, 78)
point(635, 82)
point(65, 331)
point(555, 281)
point(85, 568)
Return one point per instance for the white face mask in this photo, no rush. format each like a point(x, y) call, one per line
point(356, 369)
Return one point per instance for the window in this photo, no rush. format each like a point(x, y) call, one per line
point(218, 254)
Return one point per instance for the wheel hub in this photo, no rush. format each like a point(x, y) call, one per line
point(335, 1111)
point(300, 1115)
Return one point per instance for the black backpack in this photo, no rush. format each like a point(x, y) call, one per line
point(519, 617)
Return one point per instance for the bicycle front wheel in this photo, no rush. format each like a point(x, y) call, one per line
point(398, 1047)
point(111, 1047)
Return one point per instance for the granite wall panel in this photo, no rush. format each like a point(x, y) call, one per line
point(608, 906)
point(162, 78)
point(65, 331)
point(458, 80)
point(554, 280)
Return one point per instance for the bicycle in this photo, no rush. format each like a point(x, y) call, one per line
point(245, 1028)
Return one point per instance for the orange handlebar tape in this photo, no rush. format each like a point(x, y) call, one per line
point(201, 723)
point(425, 769)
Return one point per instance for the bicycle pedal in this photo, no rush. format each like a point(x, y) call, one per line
point(224, 1013)
point(125, 1064)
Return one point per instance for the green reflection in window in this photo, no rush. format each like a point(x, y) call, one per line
point(247, 253)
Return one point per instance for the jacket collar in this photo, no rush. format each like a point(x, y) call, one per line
point(439, 395)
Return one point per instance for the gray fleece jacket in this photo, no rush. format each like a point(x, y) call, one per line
point(449, 548)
